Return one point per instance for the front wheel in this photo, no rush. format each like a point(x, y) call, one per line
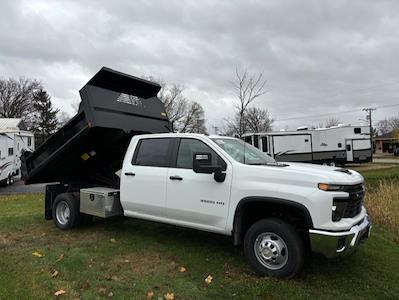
point(274, 248)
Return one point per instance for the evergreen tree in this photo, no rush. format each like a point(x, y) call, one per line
point(45, 115)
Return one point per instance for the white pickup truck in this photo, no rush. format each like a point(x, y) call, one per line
point(277, 211)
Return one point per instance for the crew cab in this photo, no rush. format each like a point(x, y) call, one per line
point(223, 185)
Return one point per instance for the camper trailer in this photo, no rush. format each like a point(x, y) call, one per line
point(14, 139)
point(334, 145)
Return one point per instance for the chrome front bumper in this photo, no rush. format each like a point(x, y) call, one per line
point(334, 244)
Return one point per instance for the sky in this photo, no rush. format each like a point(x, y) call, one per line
point(321, 59)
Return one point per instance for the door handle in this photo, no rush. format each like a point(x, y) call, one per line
point(130, 174)
point(176, 178)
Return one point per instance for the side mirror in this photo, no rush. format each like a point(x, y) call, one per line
point(202, 163)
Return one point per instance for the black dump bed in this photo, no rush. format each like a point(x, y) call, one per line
point(90, 148)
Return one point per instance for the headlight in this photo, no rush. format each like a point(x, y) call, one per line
point(331, 187)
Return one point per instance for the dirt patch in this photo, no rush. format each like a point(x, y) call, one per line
point(7, 240)
point(147, 263)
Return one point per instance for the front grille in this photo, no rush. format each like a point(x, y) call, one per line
point(355, 201)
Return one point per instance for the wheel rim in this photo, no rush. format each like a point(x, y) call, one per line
point(62, 213)
point(271, 250)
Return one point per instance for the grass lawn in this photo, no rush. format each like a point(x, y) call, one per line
point(373, 175)
point(126, 258)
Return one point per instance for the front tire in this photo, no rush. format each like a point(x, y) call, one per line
point(274, 248)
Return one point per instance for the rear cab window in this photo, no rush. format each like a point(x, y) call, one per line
point(152, 152)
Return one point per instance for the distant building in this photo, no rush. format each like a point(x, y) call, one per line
point(385, 143)
point(12, 124)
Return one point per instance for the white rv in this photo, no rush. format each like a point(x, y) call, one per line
point(334, 145)
point(13, 140)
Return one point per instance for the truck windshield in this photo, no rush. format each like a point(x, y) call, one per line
point(244, 152)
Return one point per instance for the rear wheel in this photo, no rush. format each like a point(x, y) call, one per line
point(9, 180)
point(274, 248)
point(66, 211)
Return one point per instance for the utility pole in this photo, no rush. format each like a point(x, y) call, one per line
point(216, 129)
point(369, 110)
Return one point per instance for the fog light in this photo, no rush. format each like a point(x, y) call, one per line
point(338, 209)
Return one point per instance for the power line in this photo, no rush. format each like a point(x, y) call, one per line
point(331, 114)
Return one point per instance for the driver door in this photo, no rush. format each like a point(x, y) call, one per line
point(193, 199)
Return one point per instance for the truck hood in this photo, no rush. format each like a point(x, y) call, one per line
point(333, 175)
point(300, 174)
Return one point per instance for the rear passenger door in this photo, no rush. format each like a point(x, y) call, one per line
point(143, 183)
point(193, 199)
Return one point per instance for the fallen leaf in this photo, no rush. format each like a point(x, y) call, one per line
point(112, 240)
point(182, 269)
point(86, 285)
point(61, 257)
point(110, 294)
point(114, 278)
point(38, 254)
point(126, 261)
point(54, 274)
point(59, 293)
point(102, 290)
point(150, 294)
point(169, 296)
point(209, 279)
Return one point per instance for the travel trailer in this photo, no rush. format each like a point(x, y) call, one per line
point(14, 139)
point(334, 145)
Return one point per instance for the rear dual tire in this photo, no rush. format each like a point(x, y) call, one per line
point(66, 212)
point(274, 248)
point(9, 180)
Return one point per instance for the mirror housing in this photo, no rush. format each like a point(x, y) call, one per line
point(202, 163)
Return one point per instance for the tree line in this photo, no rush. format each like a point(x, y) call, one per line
point(27, 99)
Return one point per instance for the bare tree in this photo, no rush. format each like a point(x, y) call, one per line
point(184, 114)
point(332, 122)
point(248, 88)
point(394, 122)
point(63, 118)
point(16, 98)
point(387, 125)
point(318, 125)
point(258, 120)
point(383, 126)
point(194, 120)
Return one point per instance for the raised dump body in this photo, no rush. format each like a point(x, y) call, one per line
point(90, 148)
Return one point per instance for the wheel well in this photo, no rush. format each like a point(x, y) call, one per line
point(250, 211)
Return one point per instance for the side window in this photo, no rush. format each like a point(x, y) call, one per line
point(248, 139)
point(29, 141)
point(264, 144)
point(10, 151)
point(339, 145)
point(256, 141)
point(152, 152)
point(357, 130)
point(187, 149)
